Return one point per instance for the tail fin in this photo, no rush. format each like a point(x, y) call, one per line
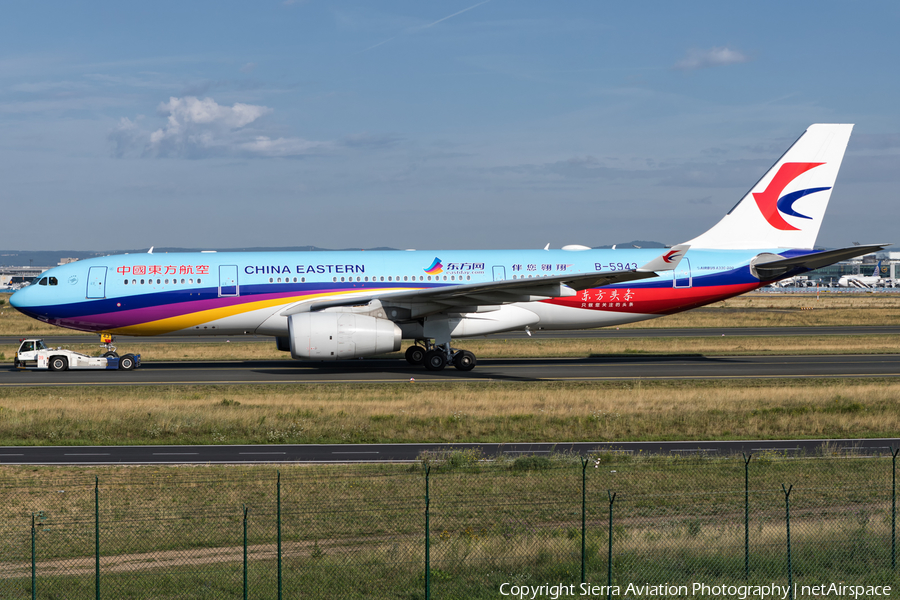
point(877, 272)
point(785, 208)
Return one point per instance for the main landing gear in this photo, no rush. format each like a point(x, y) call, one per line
point(435, 357)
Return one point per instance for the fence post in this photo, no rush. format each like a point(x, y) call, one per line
point(747, 515)
point(97, 536)
point(278, 485)
point(584, 462)
point(427, 535)
point(245, 550)
point(787, 515)
point(612, 498)
point(894, 507)
point(33, 562)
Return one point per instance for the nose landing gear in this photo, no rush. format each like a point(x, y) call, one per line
point(106, 340)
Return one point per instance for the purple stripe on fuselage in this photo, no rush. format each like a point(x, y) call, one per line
point(128, 317)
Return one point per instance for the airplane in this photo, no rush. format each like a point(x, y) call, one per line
point(862, 281)
point(332, 305)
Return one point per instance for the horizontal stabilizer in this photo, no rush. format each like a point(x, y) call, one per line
point(769, 267)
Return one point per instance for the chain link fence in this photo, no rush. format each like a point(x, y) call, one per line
point(452, 526)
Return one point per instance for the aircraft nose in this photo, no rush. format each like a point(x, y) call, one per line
point(19, 299)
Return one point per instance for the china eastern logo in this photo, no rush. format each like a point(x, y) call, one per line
point(435, 268)
point(773, 205)
point(670, 257)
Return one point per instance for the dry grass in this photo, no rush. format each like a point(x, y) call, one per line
point(470, 412)
point(489, 523)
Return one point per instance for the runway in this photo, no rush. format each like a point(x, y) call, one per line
point(598, 368)
point(607, 333)
point(373, 453)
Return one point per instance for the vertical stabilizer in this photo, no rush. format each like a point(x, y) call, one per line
point(786, 207)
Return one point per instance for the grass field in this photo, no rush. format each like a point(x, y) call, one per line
point(359, 532)
point(449, 412)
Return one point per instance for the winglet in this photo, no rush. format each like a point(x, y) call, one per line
point(667, 261)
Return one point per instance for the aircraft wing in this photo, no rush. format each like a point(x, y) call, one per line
point(776, 267)
point(473, 295)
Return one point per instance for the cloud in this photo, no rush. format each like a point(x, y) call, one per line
point(198, 128)
point(714, 57)
point(248, 68)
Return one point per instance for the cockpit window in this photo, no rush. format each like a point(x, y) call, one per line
point(53, 280)
point(43, 281)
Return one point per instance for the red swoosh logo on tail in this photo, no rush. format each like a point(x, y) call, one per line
point(767, 200)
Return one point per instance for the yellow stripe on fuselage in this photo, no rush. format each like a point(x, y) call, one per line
point(164, 326)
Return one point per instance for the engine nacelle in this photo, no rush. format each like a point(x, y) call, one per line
point(333, 335)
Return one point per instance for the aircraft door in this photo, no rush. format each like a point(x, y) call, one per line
point(228, 281)
point(682, 275)
point(96, 286)
point(500, 273)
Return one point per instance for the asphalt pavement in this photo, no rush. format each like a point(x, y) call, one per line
point(595, 368)
point(355, 453)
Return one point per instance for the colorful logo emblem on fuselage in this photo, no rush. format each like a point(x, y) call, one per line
point(773, 205)
point(435, 268)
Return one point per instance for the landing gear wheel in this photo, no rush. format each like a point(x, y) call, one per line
point(126, 363)
point(108, 354)
point(464, 360)
point(435, 360)
point(58, 363)
point(415, 355)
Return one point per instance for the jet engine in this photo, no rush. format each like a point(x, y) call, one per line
point(337, 335)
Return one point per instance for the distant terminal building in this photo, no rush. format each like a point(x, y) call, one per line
point(889, 269)
point(13, 278)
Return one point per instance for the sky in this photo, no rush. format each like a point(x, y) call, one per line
point(430, 125)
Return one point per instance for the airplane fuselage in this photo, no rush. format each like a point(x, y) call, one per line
point(229, 293)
